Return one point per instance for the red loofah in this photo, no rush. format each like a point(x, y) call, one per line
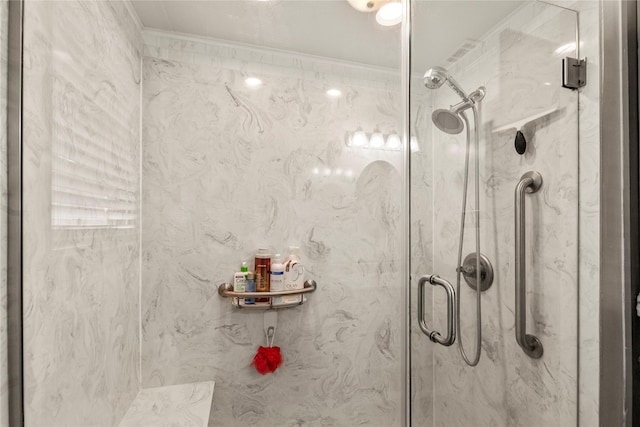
point(260, 362)
point(274, 358)
point(267, 359)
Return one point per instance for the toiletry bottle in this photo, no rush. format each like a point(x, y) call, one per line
point(240, 279)
point(276, 279)
point(263, 265)
point(250, 287)
point(293, 275)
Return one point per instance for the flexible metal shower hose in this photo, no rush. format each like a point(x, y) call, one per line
point(478, 349)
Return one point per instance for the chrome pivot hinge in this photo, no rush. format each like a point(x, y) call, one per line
point(574, 73)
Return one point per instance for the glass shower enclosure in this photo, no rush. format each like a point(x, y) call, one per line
point(165, 142)
point(527, 231)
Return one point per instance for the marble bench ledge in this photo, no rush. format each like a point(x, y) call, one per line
point(183, 405)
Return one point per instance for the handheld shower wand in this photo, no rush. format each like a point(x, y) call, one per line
point(437, 76)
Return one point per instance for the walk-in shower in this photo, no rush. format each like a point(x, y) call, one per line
point(160, 144)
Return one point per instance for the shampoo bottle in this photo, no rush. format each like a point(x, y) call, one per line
point(251, 287)
point(293, 276)
point(263, 265)
point(276, 279)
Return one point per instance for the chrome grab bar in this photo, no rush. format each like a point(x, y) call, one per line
point(226, 290)
point(530, 344)
point(451, 310)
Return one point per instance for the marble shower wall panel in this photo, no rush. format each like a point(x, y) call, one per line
point(81, 215)
point(227, 169)
point(519, 68)
point(4, 374)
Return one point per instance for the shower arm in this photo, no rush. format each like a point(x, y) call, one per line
point(469, 101)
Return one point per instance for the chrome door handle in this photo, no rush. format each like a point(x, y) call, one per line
point(451, 310)
point(530, 344)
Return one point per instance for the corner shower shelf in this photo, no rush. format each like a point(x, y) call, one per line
point(226, 290)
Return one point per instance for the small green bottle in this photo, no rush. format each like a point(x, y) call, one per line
point(240, 279)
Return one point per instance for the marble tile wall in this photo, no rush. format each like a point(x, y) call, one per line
point(517, 64)
point(81, 214)
point(227, 169)
point(4, 385)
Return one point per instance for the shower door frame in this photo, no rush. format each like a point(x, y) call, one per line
point(618, 212)
point(405, 87)
point(14, 214)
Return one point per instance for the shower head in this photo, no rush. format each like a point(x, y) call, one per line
point(450, 120)
point(447, 121)
point(436, 76)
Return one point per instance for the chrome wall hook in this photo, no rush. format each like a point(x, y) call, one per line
point(270, 326)
point(271, 333)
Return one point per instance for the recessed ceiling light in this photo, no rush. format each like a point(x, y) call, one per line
point(390, 14)
point(367, 5)
point(334, 93)
point(252, 82)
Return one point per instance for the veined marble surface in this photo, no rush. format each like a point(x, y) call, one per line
point(226, 169)
point(81, 192)
point(518, 66)
point(250, 59)
point(182, 405)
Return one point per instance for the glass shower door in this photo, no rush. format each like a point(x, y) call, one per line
point(527, 122)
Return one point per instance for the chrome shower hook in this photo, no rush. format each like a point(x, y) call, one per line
point(270, 326)
point(271, 333)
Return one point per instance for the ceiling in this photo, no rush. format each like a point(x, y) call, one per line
point(330, 28)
